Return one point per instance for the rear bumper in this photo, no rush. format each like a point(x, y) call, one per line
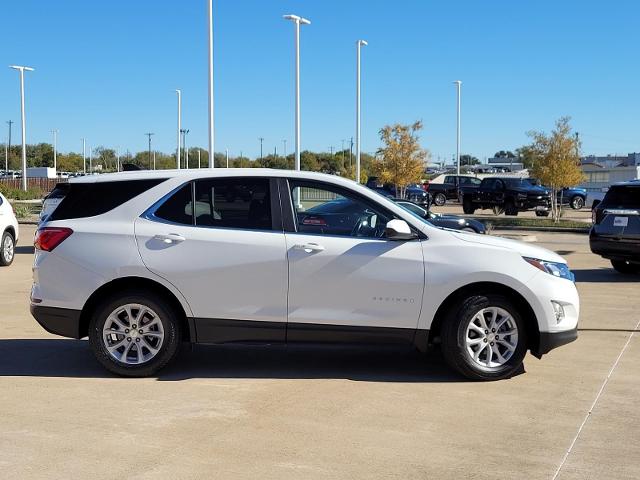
point(59, 321)
point(550, 340)
point(613, 249)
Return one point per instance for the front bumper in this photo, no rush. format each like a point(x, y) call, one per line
point(550, 340)
point(59, 321)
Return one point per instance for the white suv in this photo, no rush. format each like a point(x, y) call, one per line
point(141, 261)
point(8, 232)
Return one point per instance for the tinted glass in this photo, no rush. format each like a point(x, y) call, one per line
point(323, 211)
point(177, 208)
point(623, 196)
point(234, 203)
point(91, 199)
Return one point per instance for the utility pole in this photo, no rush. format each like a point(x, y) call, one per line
point(285, 148)
point(351, 153)
point(154, 159)
point(261, 140)
point(199, 157)
point(343, 152)
point(150, 135)
point(359, 44)
point(55, 149)
point(226, 151)
point(10, 122)
point(331, 150)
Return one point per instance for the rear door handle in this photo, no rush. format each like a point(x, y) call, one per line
point(169, 238)
point(309, 247)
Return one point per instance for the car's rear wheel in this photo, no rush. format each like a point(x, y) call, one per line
point(485, 338)
point(7, 249)
point(439, 199)
point(134, 334)
point(577, 202)
point(510, 208)
point(625, 267)
point(542, 213)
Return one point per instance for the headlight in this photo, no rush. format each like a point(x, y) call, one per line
point(560, 270)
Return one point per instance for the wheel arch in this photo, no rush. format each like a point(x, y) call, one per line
point(138, 283)
point(11, 230)
point(479, 288)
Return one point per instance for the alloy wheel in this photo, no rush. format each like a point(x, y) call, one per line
point(8, 249)
point(133, 334)
point(491, 337)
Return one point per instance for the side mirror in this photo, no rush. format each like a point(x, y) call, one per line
point(398, 230)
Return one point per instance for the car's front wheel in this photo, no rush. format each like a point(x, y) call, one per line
point(485, 338)
point(577, 202)
point(7, 249)
point(134, 334)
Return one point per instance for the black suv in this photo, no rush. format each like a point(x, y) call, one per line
point(615, 234)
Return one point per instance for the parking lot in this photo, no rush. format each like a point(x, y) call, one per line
point(278, 412)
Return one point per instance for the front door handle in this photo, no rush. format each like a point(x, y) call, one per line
point(309, 247)
point(169, 238)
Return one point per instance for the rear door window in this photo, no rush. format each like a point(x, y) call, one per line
point(178, 207)
point(233, 203)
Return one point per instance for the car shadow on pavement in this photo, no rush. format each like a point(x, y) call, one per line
point(604, 275)
point(73, 358)
point(25, 250)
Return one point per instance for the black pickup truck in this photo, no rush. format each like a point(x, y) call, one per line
point(450, 188)
point(509, 195)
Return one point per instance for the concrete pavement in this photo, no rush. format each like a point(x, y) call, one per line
point(276, 412)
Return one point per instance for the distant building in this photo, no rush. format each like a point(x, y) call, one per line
point(602, 171)
point(514, 163)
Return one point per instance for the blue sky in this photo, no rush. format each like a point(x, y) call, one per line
point(107, 70)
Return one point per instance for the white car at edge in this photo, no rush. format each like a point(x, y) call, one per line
point(141, 261)
point(8, 232)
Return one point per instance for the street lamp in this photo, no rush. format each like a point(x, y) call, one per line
point(55, 149)
point(21, 69)
point(261, 140)
point(179, 131)
point(211, 124)
point(84, 155)
point(359, 44)
point(298, 21)
point(226, 151)
point(458, 83)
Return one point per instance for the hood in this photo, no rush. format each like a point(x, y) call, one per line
point(523, 248)
point(536, 190)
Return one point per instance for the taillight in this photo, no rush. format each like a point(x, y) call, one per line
point(596, 215)
point(48, 238)
point(425, 186)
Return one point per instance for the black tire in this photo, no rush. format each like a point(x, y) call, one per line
point(542, 213)
point(510, 208)
point(6, 257)
point(467, 206)
point(625, 267)
point(454, 331)
point(168, 349)
point(439, 199)
point(577, 202)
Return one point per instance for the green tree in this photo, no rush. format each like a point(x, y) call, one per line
point(402, 159)
point(556, 160)
point(469, 160)
point(504, 154)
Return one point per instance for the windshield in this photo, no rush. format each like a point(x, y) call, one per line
point(517, 182)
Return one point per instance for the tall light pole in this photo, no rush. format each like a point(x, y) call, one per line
point(84, 156)
point(150, 135)
point(179, 130)
point(285, 148)
point(55, 149)
point(117, 159)
point(359, 44)
point(458, 83)
point(90, 159)
point(21, 69)
point(261, 140)
point(211, 124)
point(297, 21)
point(199, 150)
point(9, 122)
point(226, 151)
